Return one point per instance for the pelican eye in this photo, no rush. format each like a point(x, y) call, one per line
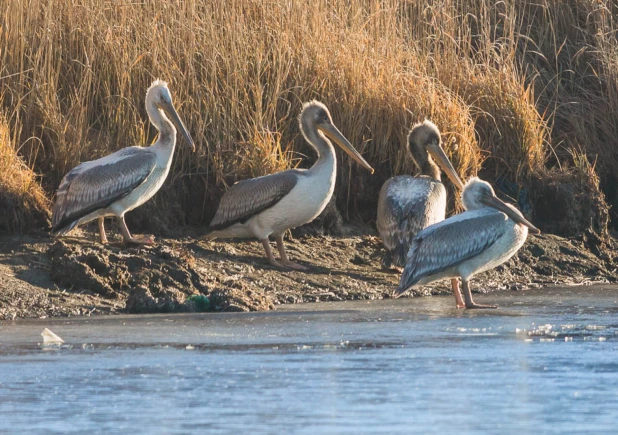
point(433, 141)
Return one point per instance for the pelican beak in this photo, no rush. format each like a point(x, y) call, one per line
point(170, 111)
point(436, 151)
point(334, 134)
point(511, 212)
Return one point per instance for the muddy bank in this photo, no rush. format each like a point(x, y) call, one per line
point(40, 277)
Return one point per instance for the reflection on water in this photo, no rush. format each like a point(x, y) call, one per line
point(546, 362)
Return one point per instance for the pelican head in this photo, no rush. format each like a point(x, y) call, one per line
point(316, 117)
point(478, 194)
point(425, 142)
point(159, 97)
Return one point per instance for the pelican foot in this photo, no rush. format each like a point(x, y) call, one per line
point(295, 266)
point(288, 265)
point(142, 240)
point(465, 286)
point(460, 306)
point(277, 264)
point(104, 241)
point(479, 306)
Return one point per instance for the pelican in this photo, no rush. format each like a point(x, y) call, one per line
point(271, 204)
point(408, 204)
point(124, 180)
point(483, 237)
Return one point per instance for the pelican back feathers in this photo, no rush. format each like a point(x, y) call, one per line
point(97, 184)
point(407, 205)
point(248, 198)
point(451, 242)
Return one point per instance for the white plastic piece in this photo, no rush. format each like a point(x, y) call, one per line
point(50, 338)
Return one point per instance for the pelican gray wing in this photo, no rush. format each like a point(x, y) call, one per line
point(250, 197)
point(97, 184)
point(405, 207)
point(450, 243)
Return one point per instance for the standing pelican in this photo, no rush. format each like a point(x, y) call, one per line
point(274, 203)
point(408, 204)
point(124, 180)
point(485, 236)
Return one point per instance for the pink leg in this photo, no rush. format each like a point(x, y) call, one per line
point(128, 238)
point(458, 299)
point(269, 254)
point(468, 297)
point(284, 256)
point(102, 235)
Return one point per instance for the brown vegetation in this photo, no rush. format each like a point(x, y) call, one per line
point(23, 204)
point(518, 87)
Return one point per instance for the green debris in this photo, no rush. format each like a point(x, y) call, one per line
point(201, 302)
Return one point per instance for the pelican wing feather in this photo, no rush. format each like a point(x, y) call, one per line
point(250, 197)
point(97, 184)
point(451, 242)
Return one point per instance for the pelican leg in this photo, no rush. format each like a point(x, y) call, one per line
point(269, 254)
point(128, 238)
point(389, 265)
point(102, 235)
point(468, 297)
point(458, 299)
point(284, 256)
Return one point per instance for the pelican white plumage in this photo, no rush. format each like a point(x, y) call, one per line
point(270, 205)
point(124, 180)
point(408, 204)
point(485, 236)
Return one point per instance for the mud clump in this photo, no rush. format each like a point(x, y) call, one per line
point(79, 277)
point(570, 202)
point(234, 299)
point(150, 279)
point(141, 301)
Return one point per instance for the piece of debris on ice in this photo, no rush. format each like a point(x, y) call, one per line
point(51, 338)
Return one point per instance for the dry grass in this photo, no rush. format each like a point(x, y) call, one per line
point(23, 204)
point(516, 85)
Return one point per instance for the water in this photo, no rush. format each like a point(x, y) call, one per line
point(545, 362)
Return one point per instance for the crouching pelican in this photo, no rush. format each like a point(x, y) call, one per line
point(485, 236)
point(274, 203)
point(408, 204)
point(124, 180)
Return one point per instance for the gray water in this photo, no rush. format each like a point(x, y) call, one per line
point(545, 362)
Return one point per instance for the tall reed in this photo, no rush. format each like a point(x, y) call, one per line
point(514, 86)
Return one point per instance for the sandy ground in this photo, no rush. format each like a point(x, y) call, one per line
point(40, 277)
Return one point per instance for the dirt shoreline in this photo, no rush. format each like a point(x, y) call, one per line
point(40, 277)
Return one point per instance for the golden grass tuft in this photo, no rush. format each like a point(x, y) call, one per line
point(23, 204)
point(514, 85)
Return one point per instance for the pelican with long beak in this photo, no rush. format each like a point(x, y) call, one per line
point(124, 180)
point(482, 238)
point(408, 204)
point(270, 205)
